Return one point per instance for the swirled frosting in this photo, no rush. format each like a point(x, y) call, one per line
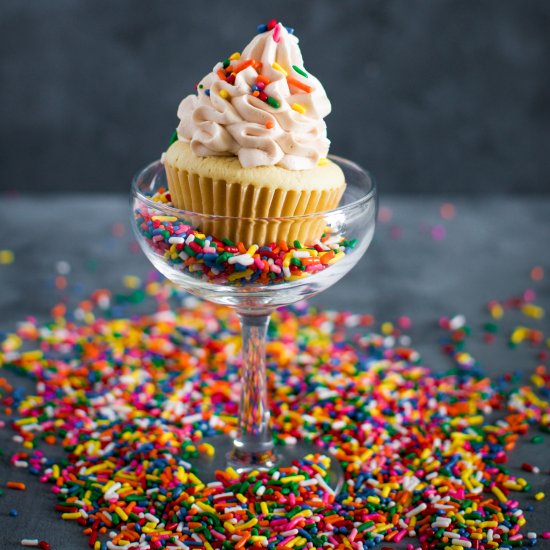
point(261, 106)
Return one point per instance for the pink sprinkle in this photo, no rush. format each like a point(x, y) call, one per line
point(277, 32)
point(438, 232)
point(400, 535)
point(545, 535)
point(396, 232)
point(529, 295)
point(404, 322)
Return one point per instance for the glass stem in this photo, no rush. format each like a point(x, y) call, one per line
point(253, 446)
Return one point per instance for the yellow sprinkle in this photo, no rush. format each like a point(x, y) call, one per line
point(234, 56)
point(300, 109)
point(539, 496)
point(224, 94)
point(264, 508)
point(131, 281)
point(297, 277)
point(164, 218)
point(252, 250)
point(247, 525)
point(121, 513)
point(277, 67)
point(97, 545)
point(241, 498)
point(531, 310)
point(71, 515)
point(499, 494)
point(229, 526)
point(386, 328)
point(206, 507)
point(497, 311)
point(240, 275)
point(491, 524)
point(518, 335)
point(303, 514)
point(287, 479)
point(6, 257)
point(207, 545)
point(322, 161)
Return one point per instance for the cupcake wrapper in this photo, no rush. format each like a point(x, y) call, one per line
point(199, 194)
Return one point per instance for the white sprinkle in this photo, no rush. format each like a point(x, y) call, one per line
point(458, 321)
point(242, 259)
point(464, 543)
point(416, 510)
point(261, 490)
point(29, 542)
point(176, 240)
point(301, 254)
point(63, 267)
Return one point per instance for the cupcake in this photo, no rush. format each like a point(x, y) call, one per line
point(252, 144)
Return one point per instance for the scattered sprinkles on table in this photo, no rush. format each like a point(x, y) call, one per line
point(131, 400)
point(221, 261)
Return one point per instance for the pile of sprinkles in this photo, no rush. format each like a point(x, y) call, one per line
point(132, 399)
point(221, 261)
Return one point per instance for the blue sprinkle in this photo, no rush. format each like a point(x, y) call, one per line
point(207, 92)
point(289, 30)
point(261, 28)
point(14, 513)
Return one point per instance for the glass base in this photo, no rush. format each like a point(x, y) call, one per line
point(283, 456)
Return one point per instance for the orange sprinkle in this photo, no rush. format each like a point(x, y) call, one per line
point(264, 79)
point(255, 93)
point(325, 258)
point(221, 74)
point(16, 485)
point(269, 124)
point(241, 248)
point(60, 282)
point(244, 538)
point(257, 65)
point(537, 273)
point(242, 66)
point(297, 84)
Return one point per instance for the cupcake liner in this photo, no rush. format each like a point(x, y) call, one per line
point(204, 195)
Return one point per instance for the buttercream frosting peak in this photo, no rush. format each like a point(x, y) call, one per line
point(260, 105)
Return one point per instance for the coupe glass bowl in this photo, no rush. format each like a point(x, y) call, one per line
point(190, 249)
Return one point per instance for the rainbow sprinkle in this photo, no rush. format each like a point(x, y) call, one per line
point(131, 400)
point(222, 261)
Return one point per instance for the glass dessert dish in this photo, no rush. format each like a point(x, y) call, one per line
point(189, 249)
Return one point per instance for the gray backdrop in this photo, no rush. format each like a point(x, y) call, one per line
point(431, 95)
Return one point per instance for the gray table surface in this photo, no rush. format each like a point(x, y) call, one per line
point(489, 249)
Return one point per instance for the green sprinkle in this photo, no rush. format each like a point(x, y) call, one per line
point(298, 244)
point(201, 86)
point(226, 63)
point(173, 138)
point(273, 102)
point(361, 528)
point(299, 71)
point(537, 439)
point(228, 242)
point(188, 250)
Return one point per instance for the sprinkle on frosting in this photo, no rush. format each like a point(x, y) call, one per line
point(261, 84)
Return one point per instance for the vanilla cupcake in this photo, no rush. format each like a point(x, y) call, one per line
point(252, 144)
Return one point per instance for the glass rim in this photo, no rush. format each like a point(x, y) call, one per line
point(173, 211)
